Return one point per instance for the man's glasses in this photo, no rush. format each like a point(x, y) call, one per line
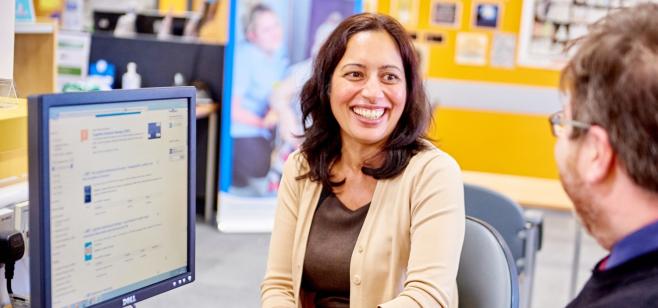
point(559, 123)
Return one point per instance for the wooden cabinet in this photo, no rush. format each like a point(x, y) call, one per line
point(35, 58)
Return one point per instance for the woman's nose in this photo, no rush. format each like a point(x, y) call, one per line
point(372, 90)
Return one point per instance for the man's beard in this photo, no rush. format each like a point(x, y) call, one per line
point(586, 211)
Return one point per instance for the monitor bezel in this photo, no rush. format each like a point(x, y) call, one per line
point(39, 188)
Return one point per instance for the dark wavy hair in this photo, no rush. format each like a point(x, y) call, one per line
point(322, 141)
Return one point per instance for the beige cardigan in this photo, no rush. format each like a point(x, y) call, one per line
point(407, 253)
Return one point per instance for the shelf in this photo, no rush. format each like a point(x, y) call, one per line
point(14, 193)
point(35, 48)
point(34, 28)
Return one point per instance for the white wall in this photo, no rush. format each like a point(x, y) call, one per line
point(7, 39)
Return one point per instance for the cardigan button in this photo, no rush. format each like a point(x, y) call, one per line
point(356, 280)
point(360, 249)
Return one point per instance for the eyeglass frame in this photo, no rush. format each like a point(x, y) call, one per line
point(557, 121)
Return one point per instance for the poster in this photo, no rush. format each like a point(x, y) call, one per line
point(24, 11)
point(445, 13)
point(486, 15)
point(547, 26)
point(406, 12)
point(503, 50)
point(268, 59)
point(72, 58)
point(471, 48)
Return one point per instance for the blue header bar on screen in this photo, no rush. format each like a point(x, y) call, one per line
point(117, 109)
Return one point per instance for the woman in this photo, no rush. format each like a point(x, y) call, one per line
point(369, 214)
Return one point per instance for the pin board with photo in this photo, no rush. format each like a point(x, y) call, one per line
point(489, 49)
point(548, 25)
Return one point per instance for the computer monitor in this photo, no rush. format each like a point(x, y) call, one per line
point(111, 179)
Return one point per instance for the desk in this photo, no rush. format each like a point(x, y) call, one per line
point(529, 191)
point(532, 192)
point(210, 111)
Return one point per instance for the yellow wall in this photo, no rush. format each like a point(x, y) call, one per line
point(13, 142)
point(214, 30)
point(497, 142)
point(174, 6)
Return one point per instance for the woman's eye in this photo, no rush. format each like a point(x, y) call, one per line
point(354, 75)
point(391, 78)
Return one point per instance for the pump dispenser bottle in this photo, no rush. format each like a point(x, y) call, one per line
point(130, 79)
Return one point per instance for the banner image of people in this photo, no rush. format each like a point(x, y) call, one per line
point(272, 44)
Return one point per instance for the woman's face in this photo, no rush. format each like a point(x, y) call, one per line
point(368, 89)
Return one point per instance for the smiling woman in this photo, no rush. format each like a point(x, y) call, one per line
point(369, 213)
point(368, 90)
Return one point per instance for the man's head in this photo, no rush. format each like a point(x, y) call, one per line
point(609, 142)
point(263, 28)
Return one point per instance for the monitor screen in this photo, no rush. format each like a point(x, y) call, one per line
point(115, 207)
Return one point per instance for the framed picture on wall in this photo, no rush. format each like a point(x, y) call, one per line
point(435, 38)
point(471, 48)
point(486, 15)
point(445, 13)
point(503, 50)
point(405, 11)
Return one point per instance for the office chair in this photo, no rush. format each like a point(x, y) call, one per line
point(487, 276)
point(522, 231)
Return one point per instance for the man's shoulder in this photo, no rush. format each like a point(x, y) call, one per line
point(632, 284)
point(637, 294)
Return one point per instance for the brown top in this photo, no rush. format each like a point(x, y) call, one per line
point(331, 240)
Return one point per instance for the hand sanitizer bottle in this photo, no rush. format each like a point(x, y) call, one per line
point(130, 79)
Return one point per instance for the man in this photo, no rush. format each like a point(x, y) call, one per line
point(607, 154)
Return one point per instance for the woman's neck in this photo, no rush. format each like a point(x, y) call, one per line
point(355, 156)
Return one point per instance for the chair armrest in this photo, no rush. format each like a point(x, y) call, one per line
point(535, 220)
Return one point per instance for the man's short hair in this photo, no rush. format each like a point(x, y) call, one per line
point(613, 83)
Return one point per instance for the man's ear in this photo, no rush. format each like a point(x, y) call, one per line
point(596, 155)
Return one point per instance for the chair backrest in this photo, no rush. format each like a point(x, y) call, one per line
point(505, 215)
point(487, 275)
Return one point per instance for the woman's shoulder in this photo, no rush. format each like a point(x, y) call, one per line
point(296, 163)
point(433, 157)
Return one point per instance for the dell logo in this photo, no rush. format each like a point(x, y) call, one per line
point(129, 300)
